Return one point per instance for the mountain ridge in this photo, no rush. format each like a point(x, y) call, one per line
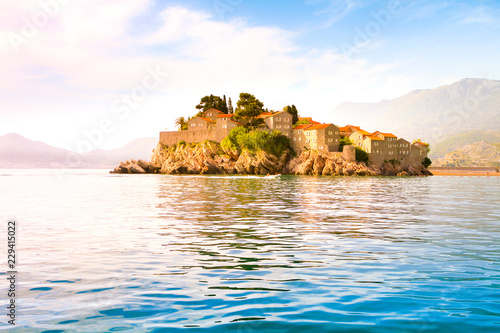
point(17, 151)
point(432, 114)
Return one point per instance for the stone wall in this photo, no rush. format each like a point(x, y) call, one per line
point(349, 153)
point(171, 138)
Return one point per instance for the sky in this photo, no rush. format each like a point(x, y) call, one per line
point(86, 75)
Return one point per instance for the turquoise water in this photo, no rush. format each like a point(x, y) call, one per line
point(151, 253)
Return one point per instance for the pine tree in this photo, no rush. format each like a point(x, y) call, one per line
point(230, 106)
point(247, 110)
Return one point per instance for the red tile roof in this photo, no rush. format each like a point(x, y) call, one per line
point(301, 126)
point(318, 126)
point(234, 121)
point(389, 135)
point(373, 137)
point(349, 128)
point(363, 132)
point(309, 119)
point(225, 115)
point(206, 119)
point(212, 109)
point(265, 115)
point(269, 114)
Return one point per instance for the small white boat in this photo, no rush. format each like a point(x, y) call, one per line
point(273, 176)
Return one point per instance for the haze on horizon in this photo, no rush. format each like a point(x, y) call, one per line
point(129, 68)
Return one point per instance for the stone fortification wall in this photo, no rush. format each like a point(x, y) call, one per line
point(349, 153)
point(171, 138)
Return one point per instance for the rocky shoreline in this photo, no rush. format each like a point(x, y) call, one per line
point(209, 158)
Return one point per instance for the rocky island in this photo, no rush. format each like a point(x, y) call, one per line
point(254, 141)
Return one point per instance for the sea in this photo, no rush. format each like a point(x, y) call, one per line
point(100, 252)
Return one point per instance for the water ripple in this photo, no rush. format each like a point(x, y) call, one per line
point(234, 254)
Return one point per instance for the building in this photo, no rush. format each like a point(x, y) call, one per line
point(281, 121)
point(381, 147)
point(358, 136)
point(347, 130)
point(322, 137)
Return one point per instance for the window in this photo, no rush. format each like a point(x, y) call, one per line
point(224, 126)
point(314, 140)
point(330, 132)
point(201, 124)
point(287, 126)
point(330, 140)
point(299, 132)
point(336, 132)
point(307, 140)
point(278, 119)
point(193, 124)
point(294, 139)
point(300, 139)
point(375, 143)
point(286, 134)
point(391, 152)
point(209, 114)
point(278, 126)
point(307, 132)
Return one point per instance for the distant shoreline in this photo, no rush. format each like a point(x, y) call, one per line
point(464, 171)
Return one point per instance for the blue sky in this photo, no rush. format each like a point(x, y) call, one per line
point(128, 68)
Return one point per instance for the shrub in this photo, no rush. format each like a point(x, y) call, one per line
point(394, 162)
point(234, 139)
point(427, 162)
point(181, 143)
point(361, 155)
point(240, 138)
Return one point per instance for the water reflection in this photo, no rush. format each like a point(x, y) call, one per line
point(246, 254)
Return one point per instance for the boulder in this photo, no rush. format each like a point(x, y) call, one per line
point(143, 164)
point(135, 168)
point(153, 168)
point(319, 164)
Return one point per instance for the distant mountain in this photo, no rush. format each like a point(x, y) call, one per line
point(477, 154)
point(456, 141)
point(432, 114)
point(17, 151)
point(136, 149)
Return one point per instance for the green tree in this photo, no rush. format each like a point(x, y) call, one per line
point(302, 122)
point(181, 124)
point(215, 102)
point(230, 108)
point(427, 162)
point(247, 109)
point(293, 111)
point(344, 141)
point(241, 139)
point(361, 155)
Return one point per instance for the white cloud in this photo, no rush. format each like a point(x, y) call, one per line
point(87, 56)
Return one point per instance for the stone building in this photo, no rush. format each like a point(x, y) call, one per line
point(281, 121)
point(215, 125)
